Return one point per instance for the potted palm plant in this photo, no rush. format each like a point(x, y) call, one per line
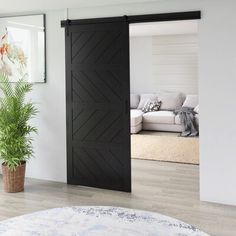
point(15, 139)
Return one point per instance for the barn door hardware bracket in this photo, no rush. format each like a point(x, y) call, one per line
point(126, 18)
point(67, 26)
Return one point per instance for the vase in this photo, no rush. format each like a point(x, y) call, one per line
point(13, 180)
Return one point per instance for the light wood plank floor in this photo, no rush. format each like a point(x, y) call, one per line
point(167, 188)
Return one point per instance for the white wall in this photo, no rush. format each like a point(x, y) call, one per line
point(217, 74)
point(141, 64)
point(50, 144)
point(164, 63)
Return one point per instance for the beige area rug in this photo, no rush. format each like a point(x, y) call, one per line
point(165, 148)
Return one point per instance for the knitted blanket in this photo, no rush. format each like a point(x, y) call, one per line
point(187, 119)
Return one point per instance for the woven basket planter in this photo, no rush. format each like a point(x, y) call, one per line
point(13, 180)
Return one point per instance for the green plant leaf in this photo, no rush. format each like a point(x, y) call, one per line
point(15, 130)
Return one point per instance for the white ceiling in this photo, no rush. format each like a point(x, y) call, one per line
point(164, 28)
point(14, 6)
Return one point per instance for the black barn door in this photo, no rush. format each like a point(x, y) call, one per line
point(97, 93)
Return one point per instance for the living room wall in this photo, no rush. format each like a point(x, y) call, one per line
point(216, 89)
point(164, 62)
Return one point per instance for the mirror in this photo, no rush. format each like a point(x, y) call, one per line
point(22, 48)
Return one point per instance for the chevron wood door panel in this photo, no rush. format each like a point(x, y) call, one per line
point(97, 91)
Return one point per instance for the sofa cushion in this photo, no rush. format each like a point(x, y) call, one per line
point(171, 101)
point(136, 117)
point(144, 98)
point(159, 117)
point(191, 101)
point(134, 101)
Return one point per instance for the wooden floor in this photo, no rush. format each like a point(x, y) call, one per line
point(166, 188)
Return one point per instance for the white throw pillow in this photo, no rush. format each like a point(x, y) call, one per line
point(134, 101)
point(191, 101)
point(171, 101)
point(196, 109)
point(145, 98)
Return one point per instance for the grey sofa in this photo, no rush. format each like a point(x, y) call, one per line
point(164, 119)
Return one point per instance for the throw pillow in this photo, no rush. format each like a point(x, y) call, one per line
point(171, 100)
point(191, 101)
point(134, 101)
point(144, 98)
point(151, 106)
point(196, 109)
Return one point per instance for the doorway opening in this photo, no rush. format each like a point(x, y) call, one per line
point(164, 104)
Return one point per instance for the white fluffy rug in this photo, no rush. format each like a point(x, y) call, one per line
point(96, 221)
